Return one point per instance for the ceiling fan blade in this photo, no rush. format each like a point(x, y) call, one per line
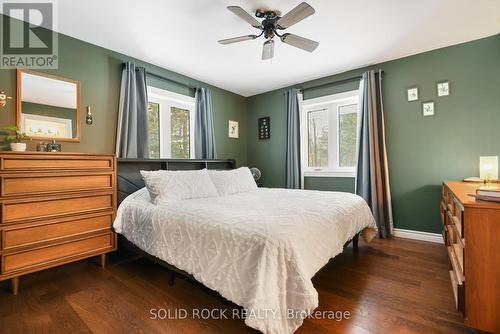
point(296, 15)
point(237, 39)
point(268, 50)
point(237, 10)
point(300, 42)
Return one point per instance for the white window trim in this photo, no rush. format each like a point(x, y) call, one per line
point(331, 102)
point(166, 100)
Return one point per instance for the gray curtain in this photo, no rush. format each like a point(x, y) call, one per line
point(204, 125)
point(292, 149)
point(132, 140)
point(372, 176)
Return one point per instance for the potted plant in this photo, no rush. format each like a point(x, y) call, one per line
point(16, 138)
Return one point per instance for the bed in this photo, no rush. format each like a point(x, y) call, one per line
point(258, 249)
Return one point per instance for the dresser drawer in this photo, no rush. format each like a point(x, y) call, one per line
point(454, 264)
point(442, 211)
point(448, 200)
point(41, 162)
point(51, 255)
point(457, 280)
point(33, 234)
point(53, 207)
point(459, 216)
point(458, 251)
point(46, 183)
point(458, 289)
point(457, 225)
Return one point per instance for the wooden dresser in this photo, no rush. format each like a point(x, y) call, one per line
point(55, 208)
point(471, 231)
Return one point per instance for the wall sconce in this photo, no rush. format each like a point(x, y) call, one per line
point(488, 168)
point(3, 99)
point(88, 118)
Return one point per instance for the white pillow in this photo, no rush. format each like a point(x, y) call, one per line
point(233, 181)
point(167, 186)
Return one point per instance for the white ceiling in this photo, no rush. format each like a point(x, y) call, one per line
point(182, 35)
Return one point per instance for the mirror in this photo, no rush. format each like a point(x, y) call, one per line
point(48, 107)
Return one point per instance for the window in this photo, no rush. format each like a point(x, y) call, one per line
point(348, 129)
point(154, 130)
point(171, 124)
point(317, 128)
point(329, 128)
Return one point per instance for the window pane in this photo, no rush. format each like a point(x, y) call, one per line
point(154, 130)
point(179, 133)
point(317, 124)
point(348, 123)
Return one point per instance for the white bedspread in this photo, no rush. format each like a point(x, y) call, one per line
point(258, 249)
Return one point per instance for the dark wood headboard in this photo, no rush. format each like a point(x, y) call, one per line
point(129, 178)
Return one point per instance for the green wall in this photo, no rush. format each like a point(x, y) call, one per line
point(99, 71)
point(422, 151)
point(268, 155)
point(345, 184)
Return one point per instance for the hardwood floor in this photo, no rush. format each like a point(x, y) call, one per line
point(388, 286)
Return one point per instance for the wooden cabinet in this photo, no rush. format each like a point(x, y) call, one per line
point(55, 208)
point(471, 231)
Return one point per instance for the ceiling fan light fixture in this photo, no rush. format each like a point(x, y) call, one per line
point(268, 49)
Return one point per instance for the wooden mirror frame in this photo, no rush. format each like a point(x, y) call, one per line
point(20, 71)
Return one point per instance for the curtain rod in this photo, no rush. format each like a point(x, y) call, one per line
point(165, 78)
point(332, 83)
point(170, 80)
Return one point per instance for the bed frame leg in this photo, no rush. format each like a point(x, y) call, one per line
point(355, 241)
point(171, 277)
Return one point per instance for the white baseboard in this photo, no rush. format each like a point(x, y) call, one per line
point(417, 235)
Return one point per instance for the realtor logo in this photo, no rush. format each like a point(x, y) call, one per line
point(28, 39)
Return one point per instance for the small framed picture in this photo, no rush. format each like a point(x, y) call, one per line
point(412, 94)
point(264, 127)
point(428, 108)
point(233, 129)
point(443, 88)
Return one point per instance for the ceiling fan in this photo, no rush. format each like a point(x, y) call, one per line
point(270, 26)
